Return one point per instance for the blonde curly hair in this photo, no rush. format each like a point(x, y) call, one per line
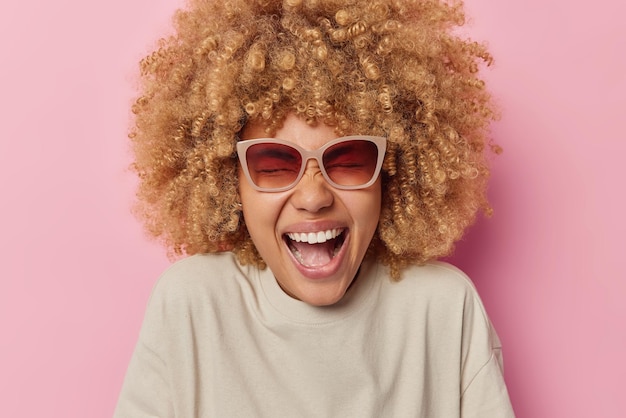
point(390, 68)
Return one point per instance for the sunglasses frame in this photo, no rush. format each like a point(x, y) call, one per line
point(242, 148)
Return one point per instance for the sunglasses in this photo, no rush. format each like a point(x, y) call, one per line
point(347, 163)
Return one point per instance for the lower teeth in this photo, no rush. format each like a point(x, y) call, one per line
point(338, 243)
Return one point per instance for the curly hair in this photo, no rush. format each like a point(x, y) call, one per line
point(390, 68)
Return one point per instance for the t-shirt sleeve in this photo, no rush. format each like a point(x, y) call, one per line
point(486, 395)
point(146, 391)
point(484, 392)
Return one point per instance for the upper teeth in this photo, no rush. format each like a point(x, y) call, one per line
point(315, 237)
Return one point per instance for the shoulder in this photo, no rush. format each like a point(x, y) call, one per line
point(435, 279)
point(436, 290)
point(200, 267)
point(200, 276)
point(201, 264)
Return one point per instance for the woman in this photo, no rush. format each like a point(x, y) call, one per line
point(313, 158)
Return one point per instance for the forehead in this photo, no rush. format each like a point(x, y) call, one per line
point(293, 129)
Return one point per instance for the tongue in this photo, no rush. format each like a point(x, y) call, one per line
point(313, 255)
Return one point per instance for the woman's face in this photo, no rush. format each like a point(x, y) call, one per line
point(319, 273)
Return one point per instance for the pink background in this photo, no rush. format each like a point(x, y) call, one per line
point(77, 269)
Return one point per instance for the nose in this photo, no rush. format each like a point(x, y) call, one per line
point(312, 193)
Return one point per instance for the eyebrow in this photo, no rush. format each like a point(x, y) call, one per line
point(279, 153)
point(337, 151)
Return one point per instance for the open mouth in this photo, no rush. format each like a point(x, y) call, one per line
point(315, 249)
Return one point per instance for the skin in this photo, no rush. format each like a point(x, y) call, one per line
point(312, 205)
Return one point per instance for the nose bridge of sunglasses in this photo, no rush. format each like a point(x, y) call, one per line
point(312, 161)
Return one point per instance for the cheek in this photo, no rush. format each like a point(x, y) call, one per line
point(373, 212)
point(366, 208)
point(260, 210)
point(249, 199)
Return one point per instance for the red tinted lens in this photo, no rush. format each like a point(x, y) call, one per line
point(273, 166)
point(351, 163)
